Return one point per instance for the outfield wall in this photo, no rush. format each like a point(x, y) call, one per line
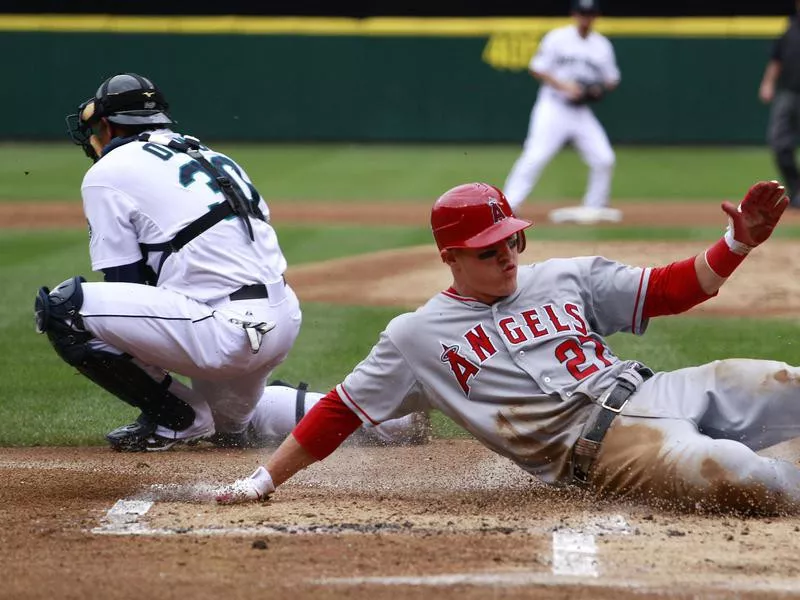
point(439, 80)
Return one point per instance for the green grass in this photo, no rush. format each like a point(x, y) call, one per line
point(43, 401)
point(413, 173)
point(303, 244)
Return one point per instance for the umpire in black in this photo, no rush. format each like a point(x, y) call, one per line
point(781, 87)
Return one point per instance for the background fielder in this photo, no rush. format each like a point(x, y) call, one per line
point(575, 66)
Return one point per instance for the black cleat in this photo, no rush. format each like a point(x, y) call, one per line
point(141, 436)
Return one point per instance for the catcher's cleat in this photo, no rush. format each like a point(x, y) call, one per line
point(132, 437)
point(141, 436)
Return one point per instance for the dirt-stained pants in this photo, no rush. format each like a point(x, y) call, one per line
point(688, 439)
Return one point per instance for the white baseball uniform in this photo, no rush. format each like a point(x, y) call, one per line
point(566, 56)
point(523, 375)
point(144, 193)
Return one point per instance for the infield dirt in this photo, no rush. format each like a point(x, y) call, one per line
point(447, 519)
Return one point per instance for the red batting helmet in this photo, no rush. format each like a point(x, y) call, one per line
point(474, 215)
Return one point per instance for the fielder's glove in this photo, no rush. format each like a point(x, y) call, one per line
point(591, 91)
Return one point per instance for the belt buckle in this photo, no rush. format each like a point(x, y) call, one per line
point(603, 399)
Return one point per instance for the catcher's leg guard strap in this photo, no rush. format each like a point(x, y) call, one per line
point(120, 375)
point(300, 402)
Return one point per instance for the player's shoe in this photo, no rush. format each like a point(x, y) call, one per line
point(141, 436)
point(585, 215)
point(255, 488)
point(132, 437)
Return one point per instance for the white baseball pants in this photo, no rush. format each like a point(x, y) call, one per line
point(204, 342)
point(553, 123)
point(689, 438)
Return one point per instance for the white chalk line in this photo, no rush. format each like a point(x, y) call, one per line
point(575, 562)
point(575, 550)
point(514, 579)
point(575, 559)
point(124, 519)
point(575, 554)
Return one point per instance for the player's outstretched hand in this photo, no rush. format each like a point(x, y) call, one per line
point(255, 488)
point(752, 222)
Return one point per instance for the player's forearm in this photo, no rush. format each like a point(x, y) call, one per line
point(709, 281)
point(288, 459)
point(329, 423)
point(771, 73)
point(679, 286)
point(548, 79)
point(675, 288)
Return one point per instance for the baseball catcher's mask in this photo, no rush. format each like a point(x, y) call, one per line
point(475, 215)
point(125, 99)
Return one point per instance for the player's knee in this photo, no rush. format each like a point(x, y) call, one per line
point(604, 161)
point(531, 163)
point(734, 478)
point(57, 314)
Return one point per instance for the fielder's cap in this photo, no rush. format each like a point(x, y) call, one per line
point(586, 6)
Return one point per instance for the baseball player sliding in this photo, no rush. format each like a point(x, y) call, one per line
point(576, 66)
point(193, 283)
point(516, 355)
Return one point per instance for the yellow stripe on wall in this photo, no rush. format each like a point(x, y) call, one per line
point(390, 26)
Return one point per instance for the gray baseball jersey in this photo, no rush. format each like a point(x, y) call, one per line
point(521, 375)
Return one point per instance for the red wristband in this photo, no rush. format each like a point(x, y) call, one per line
point(722, 260)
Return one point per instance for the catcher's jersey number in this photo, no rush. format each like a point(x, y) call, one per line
point(188, 171)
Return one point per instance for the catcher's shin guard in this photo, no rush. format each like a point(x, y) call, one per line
point(57, 315)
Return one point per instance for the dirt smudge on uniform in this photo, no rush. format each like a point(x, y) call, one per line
point(534, 436)
point(630, 456)
point(727, 492)
point(786, 376)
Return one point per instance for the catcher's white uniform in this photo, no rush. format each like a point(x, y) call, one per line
point(188, 323)
point(166, 211)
